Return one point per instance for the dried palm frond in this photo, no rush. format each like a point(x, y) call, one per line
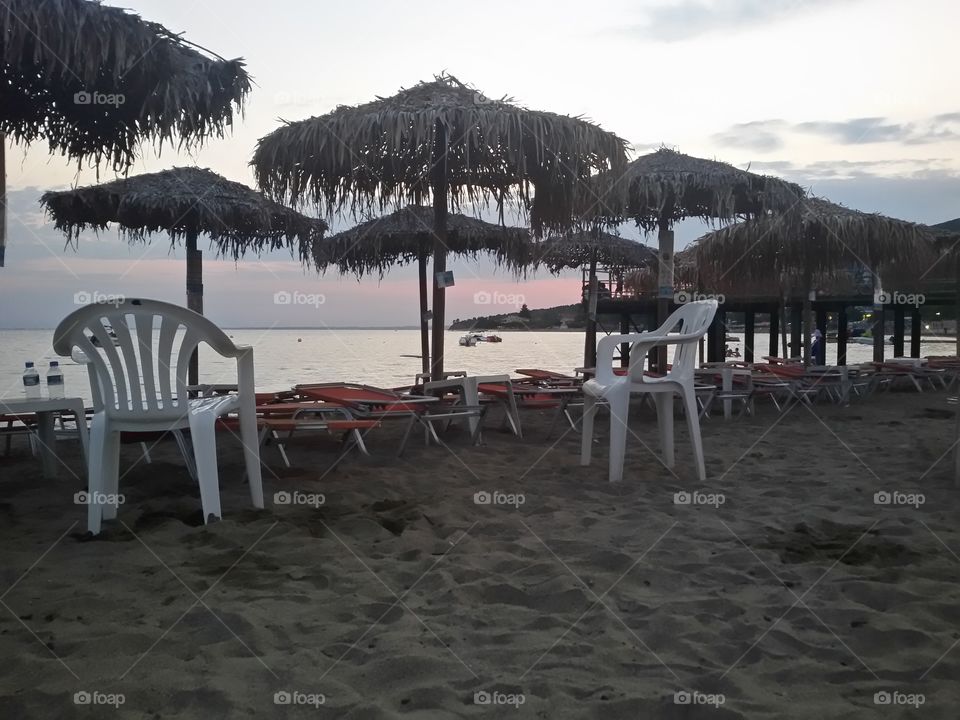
point(826, 243)
point(577, 249)
point(406, 235)
point(183, 201)
point(379, 155)
point(96, 81)
point(666, 186)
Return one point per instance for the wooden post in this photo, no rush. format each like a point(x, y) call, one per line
point(878, 330)
point(664, 281)
point(774, 330)
point(916, 327)
point(439, 186)
point(424, 311)
point(716, 338)
point(625, 347)
point(842, 330)
point(807, 317)
point(590, 335)
point(796, 334)
point(748, 331)
point(899, 327)
point(3, 197)
point(194, 295)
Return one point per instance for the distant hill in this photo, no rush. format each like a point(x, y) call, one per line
point(560, 317)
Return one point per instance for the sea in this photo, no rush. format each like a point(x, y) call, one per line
point(386, 358)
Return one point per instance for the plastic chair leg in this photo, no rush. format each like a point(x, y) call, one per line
point(204, 443)
point(111, 472)
point(95, 483)
point(251, 455)
point(586, 429)
point(619, 416)
point(665, 421)
point(693, 426)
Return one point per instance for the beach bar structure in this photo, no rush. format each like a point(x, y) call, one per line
point(629, 312)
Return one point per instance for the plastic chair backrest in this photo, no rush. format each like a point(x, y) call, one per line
point(691, 322)
point(138, 352)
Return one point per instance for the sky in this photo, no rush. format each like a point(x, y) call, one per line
point(856, 100)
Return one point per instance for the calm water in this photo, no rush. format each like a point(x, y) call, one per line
point(378, 357)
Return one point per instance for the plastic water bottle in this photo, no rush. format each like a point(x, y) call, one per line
point(31, 382)
point(54, 381)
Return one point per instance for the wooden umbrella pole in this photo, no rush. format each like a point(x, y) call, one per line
point(424, 322)
point(783, 324)
point(590, 331)
point(440, 188)
point(194, 295)
point(3, 197)
point(664, 281)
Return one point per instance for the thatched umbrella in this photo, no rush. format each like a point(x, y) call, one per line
point(439, 140)
point(184, 203)
point(588, 248)
point(822, 242)
point(662, 187)
point(406, 236)
point(96, 81)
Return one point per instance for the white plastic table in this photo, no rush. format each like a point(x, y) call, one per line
point(46, 410)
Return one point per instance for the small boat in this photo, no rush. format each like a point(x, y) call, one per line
point(471, 339)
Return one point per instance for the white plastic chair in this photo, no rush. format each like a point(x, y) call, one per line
point(139, 384)
point(689, 324)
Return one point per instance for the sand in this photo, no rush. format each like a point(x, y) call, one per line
point(401, 597)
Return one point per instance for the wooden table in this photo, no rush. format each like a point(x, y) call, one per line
point(47, 410)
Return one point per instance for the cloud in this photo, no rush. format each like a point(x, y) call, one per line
point(759, 135)
point(858, 131)
point(693, 18)
point(906, 168)
point(769, 135)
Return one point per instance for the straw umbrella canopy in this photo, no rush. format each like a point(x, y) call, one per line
point(96, 81)
point(592, 248)
point(406, 236)
point(588, 249)
point(441, 140)
point(823, 242)
point(185, 203)
point(665, 186)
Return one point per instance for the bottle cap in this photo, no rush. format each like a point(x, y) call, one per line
point(29, 364)
point(54, 363)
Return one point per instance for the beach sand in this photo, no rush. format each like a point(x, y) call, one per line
point(401, 597)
